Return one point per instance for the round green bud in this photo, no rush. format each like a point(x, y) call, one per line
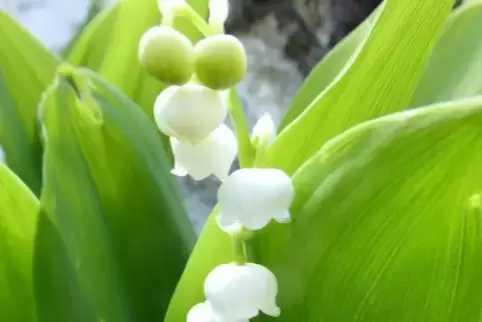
point(167, 54)
point(220, 61)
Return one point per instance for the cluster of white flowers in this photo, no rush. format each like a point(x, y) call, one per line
point(248, 199)
point(192, 115)
point(191, 111)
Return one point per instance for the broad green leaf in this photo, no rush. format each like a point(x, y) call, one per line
point(18, 219)
point(380, 80)
point(26, 69)
point(328, 69)
point(454, 69)
point(57, 292)
point(109, 192)
point(386, 226)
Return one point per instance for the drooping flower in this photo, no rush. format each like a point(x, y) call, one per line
point(167, 54)
point(264, 131)
point(252, 197)
point(189, 112)
point(204, 312)
point(241, 291)
point(214, 155)
point(218, 11)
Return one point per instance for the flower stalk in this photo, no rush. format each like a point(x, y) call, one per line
point(239, 249)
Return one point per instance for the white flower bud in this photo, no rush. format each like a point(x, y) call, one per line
point(189, 112)
point(204, 312)
point(241, 291)
point(252, 197)
point(264, 131)
point(214, 155)
point(218, 11)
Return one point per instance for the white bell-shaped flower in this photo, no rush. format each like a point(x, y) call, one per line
point(189, 112)
point(218, 11)
point(204, 312)
point(252, 197)
point(241, 291)
point(214, 155)
point(264, 131)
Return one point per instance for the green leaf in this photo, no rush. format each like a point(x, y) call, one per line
point(109, 192)
point(454, 68)
point(328, 69)
point(380, 80)
point(26, 69)
point(386, 226)
point(18, 216)
point(94, 9)
point(91, 44)
point(58, 294)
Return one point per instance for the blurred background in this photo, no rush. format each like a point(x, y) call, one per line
point(284, 39)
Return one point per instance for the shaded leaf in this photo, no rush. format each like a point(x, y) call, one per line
point(26, 69)
point(109, 192)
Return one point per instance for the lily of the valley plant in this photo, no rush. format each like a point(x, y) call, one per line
point(362, 205)
point(191, 111)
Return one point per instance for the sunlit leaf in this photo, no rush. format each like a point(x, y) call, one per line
point(18, 219)
point(328, 69)
point(380, 80)
point(454, 69)
point(386, 226)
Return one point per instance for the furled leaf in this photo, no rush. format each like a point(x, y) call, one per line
point(454, 69)
point(18, 219)
point(386, 226)
point(109, 192)
point(328, 69)
point(380, 80)
point(26, 69)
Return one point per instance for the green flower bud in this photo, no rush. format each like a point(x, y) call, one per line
point(220, 61)
point(167, 54)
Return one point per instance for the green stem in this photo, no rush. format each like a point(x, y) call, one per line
point(198, 21)
point(246, 151)
point(239, 248)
